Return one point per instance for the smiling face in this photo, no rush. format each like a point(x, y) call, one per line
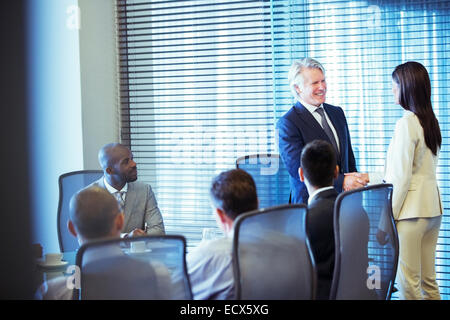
point(312, 87)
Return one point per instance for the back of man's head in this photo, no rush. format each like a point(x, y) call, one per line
point(93, 212)
point(234, 192)
point(318, 162)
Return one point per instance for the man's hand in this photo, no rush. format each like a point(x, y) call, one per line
point(354, 180)
point(382, 237)
point(136, 233)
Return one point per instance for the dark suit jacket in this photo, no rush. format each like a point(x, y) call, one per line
point(298, 127)
point(319, 227)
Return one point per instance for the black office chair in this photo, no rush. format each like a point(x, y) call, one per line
point(135, 268)
point(366, 254)
point(272, 259)
point(69, 184)
point(271, 178)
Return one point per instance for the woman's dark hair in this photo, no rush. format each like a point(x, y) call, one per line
point(415, 95)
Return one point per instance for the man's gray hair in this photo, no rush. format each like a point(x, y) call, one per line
point(296, 70)
point(106, 154)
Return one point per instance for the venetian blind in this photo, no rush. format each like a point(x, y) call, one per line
point(204, 82)
point(196, 94)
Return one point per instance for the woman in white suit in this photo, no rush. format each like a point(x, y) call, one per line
point(410, 166)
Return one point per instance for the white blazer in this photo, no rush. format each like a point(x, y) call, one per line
point(411, 168)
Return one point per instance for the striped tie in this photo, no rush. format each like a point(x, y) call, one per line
point(119, 197)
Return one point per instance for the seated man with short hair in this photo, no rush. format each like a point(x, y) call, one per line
point(95, 215)
point(136, 199)
point(318, 169)
point(210, 266)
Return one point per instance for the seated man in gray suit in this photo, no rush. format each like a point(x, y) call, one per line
point(318, 170)
point(136, 199)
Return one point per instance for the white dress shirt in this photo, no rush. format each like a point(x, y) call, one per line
point(113, 190)
point(210, 270)
point(316, 115)
point(316, 192)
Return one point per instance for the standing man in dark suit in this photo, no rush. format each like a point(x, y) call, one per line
point(136, 199)
point(309, 119)
point(318, 170)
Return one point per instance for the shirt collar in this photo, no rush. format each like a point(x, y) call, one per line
point(308, 106)
point(316, 192)
point(111, 189)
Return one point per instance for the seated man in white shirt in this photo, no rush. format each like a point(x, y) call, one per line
point(209, 265)
point(95, 215)
point(318, 170)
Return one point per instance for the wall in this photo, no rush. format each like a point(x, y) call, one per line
point(73, 109)
point(55, 110)
point(98, 78)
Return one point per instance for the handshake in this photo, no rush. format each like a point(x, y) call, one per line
point(354, 180)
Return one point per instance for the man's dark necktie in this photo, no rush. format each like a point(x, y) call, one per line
point(327, 129)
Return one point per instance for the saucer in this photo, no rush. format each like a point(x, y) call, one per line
point(44, 264)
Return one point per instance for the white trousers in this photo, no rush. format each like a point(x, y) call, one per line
point(416, 275)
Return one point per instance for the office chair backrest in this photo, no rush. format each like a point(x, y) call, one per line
point(271, 255)
point(69, 184)
point(138, 268)
point(271, 178)
point(366, 254)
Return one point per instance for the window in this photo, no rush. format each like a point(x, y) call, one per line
point(196, 94)
point(360, 43)
point(203, 83)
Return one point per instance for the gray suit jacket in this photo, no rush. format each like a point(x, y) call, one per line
point(140, 207)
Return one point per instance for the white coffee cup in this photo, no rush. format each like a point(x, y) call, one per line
point(138, 246)
point(53, 258)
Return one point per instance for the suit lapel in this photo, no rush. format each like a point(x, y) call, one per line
point(338, 126)
point(130, 200)
point(307, 119)
point(101, 182)
point(129, 203)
